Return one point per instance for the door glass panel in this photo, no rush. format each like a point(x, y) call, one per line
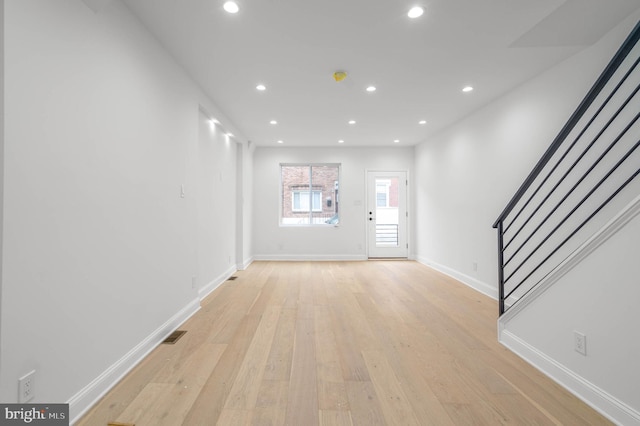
point(387, 212)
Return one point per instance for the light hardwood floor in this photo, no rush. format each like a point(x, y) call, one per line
point(339, 343)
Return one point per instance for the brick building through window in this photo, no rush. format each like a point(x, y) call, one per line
point(309, 193)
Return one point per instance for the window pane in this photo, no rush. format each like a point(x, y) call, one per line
point(317, 201)
point(325, 207)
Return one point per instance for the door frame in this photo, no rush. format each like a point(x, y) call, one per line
point(368, 194)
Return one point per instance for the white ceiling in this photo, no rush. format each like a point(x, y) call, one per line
point(418, 66)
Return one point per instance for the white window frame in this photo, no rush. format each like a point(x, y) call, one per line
point(316, 209)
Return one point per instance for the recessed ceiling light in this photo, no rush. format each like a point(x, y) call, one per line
point(280, 141)
point(415, 12)
point(261, 87)
point(352, 121)
point(467, 89)
point(340, 141)
point(422, 122)
point(371, 89)
point(231, 7)
point(273, 122)
point(396, 141)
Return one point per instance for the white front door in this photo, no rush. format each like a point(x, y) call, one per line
point(387, 214)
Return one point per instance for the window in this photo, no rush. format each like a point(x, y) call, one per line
point(309, 194)
point(301, 201)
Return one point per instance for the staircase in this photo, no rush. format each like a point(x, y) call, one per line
point(584, 180)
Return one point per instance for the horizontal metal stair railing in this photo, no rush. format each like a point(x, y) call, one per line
point(587, 174)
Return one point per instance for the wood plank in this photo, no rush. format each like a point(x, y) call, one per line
point(335, 418)
point(364, 404)
point(302, 405)
point(327, 354)
point(278, 366)
point(271, 416)
point(393, 401)
point(244, 391)
point(332, 396)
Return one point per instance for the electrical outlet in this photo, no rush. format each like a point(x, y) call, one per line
point(580, 342)
point(27, 387)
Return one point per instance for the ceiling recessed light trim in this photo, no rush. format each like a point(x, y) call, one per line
point(396, 141)
point(261, 87)
point(467, 89)
point(371, 89)
point(231, 7)
point(273, 122)
point(341, 141)
point(415, 12)
point(422, 122)
point(352, 121)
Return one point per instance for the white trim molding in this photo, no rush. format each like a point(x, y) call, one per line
point(482, 287)
point(215, 283)
point(311, 257)
point(82, 401)
point(245, 264)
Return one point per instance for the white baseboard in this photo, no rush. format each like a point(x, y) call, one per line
point(215, 283)
point(607, 405)
point(475, 284)
point(82, 401)
point(311, 257)
point(245, 264)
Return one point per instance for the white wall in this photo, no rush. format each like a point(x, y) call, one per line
point(464, 178)
point(467, 174)
point(247, 206)
point(347, 241)
point(100, 249)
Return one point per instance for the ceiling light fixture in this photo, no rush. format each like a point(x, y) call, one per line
point(280, 142)
point(371, 89)
point(415, 12)
point(422, 122)
point(467, 89)
point(273, 122)
point(231, 7)
point(340, 141)
point(261, 87)
point(352, 121)
point(396, 141)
